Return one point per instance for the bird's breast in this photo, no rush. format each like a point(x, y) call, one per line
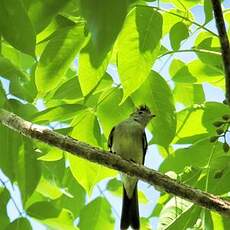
point(127, 141)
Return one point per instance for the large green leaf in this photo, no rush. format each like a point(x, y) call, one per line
point(213, 111)
point(18, 224)
point(20, 84)
point(86, 128)
point(208, 11)
point(58, 113)
point(10, 143)
point(4, 199)
point(174, 16)
point(196, 72)
point(9, 71)
point(189, 125)
point(210, 43)
point(42, 12)
point(90, 75)
point(100, 213)
point(197, 155)
point(138, 47)
point(177, 34)
point(177, 213)
point(110, 100)
point(156, 93)
point(218, 178)
point(76, 199)
point(12, 17)
point(28, 171)
point(43, 210)
point(104, 25)
point(69, 90)
point(189, 94)
point(63, 221)
point(57, 57)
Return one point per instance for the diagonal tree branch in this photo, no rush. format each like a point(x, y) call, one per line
point(113, 161)
point(225, 48)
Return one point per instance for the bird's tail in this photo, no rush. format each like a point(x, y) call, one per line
point(130, 211)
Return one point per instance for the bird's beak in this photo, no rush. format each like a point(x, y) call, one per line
point(152, 115)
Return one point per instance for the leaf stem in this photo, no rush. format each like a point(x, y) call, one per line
point(190, 50)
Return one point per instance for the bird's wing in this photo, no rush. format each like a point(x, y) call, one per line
point(110, 139)
point(145, 145)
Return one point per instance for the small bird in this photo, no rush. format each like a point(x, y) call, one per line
point(128, 139)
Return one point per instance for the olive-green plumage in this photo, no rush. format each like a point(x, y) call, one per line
point(128, 139)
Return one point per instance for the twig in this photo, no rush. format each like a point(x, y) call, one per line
point(225, 49)
point(113, 161)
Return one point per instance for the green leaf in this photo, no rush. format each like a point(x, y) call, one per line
point(76, 201)
point(20, 84)
point(69, 90)
point(100, 213)
point(10, 143)
point(9, 71)
point(58, 113)
point(177, 34)
point(220, 222)
point(42, 12)
point(61, 49)
point(12, 17)
point(26, 111)
point(174, 16)
point(90, 74)
point(104, 25)
point(180, 73)
point(213, 111)
point(208, 42)
point(19, 224)
point(208, 11)
point(196, 72)
point(42, 210)
point(189, 94)
point(4, 199)
point(63, 221)
point(196, 155)
point(28, 171)
point(156, 93)
point(49, 189)
point(189, 125)
point(86, 128)
point(138, 47)
point(53, 155)
point(53, 172)
point(21, 60)
point(176, 213)
point(108, 104)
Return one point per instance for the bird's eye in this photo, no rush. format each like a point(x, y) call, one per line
point(141, 112)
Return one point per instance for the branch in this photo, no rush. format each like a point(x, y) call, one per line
point(225, 49)
point(113, 161)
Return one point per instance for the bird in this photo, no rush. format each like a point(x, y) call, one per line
point(128, 139)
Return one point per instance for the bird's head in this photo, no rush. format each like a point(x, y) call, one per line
point(142, 115)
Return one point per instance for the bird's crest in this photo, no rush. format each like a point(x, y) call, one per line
point(143, 108)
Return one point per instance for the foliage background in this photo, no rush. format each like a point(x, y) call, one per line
point(80, 67)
